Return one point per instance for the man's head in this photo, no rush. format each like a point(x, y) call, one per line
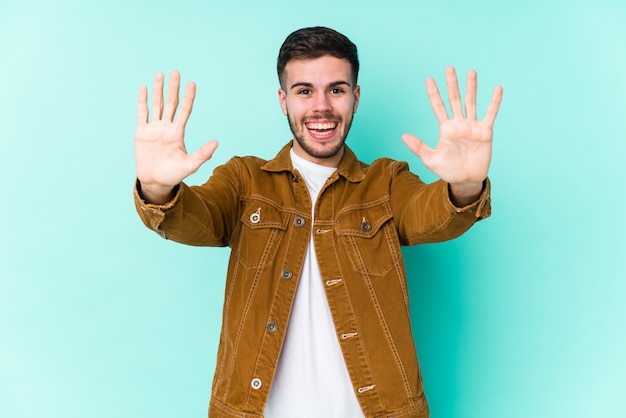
point(318, 69)
point(315, 42)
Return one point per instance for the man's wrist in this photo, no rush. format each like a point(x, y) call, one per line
point(156, 194)
point(463, 194)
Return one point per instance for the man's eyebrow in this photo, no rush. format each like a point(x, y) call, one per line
point(310, 85)
point(340, 83)
point(300, 84)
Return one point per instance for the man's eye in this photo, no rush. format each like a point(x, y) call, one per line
point(336, 91)
point(304, 92)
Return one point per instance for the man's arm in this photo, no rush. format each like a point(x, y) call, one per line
point(463, 153)
point(161, 159)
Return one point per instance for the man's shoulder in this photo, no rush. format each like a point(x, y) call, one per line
point(384, 164)
point(245, 160)
point(248, 160)
point(252, 166)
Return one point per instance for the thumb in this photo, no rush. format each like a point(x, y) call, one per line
point(202, 155)
point(417, 147)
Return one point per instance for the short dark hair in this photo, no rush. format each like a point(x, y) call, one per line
point(316, 42)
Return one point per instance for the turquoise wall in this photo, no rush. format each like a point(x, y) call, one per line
point(524, 316)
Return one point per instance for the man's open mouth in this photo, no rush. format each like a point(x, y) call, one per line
point(321, 128)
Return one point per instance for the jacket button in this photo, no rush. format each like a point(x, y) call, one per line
point(294, 178)
point(271, 327)
point(365, 226)
point(256, 216)
point(286, 274)
point(256, 383)
point(299, 221)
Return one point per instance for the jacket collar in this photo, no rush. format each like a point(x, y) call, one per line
point(349, 166)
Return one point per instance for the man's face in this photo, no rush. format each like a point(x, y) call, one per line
point(319, 99)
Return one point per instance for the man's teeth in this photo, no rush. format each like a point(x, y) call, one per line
point(321, 126)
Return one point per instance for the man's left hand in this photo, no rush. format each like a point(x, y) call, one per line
point(463, 153)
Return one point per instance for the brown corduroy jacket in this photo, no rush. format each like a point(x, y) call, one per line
point(364, 213)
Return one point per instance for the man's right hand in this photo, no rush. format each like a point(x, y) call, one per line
point(161, 159)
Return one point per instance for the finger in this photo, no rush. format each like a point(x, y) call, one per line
point(453, 93)
point(202, 155)
point(470, 95)
point(142, 106)
point(187, 104)
point(172, 96)
point(418, 147)
point(492, 110)
point(157, 99)
point(435, 101)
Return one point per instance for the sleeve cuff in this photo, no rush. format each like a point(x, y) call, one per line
point(154, 208)
point(481, 207)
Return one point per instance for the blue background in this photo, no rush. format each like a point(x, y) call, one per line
point(524, 316)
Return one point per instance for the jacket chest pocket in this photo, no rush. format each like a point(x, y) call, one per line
point(368, 236)
point(263, 227)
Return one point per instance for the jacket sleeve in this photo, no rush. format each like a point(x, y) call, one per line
point(203, 215)
point(424, 213)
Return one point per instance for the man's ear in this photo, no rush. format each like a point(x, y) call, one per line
point(282, 98)
point(357, 97)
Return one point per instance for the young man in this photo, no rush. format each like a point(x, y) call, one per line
point(316, 317)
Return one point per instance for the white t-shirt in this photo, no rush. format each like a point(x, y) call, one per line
point(311, 378)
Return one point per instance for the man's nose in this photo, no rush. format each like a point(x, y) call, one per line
point(322, 103)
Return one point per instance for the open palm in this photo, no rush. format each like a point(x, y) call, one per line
point(463, 153)
point(161, 158)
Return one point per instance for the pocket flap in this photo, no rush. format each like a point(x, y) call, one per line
point(364, 220)
point(259, 214)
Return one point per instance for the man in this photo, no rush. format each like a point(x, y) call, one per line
point(316, 318)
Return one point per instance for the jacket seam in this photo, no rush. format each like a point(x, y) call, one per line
point(354, 318)
point(383, 322)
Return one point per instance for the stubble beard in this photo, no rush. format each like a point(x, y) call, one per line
point(325, 153)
